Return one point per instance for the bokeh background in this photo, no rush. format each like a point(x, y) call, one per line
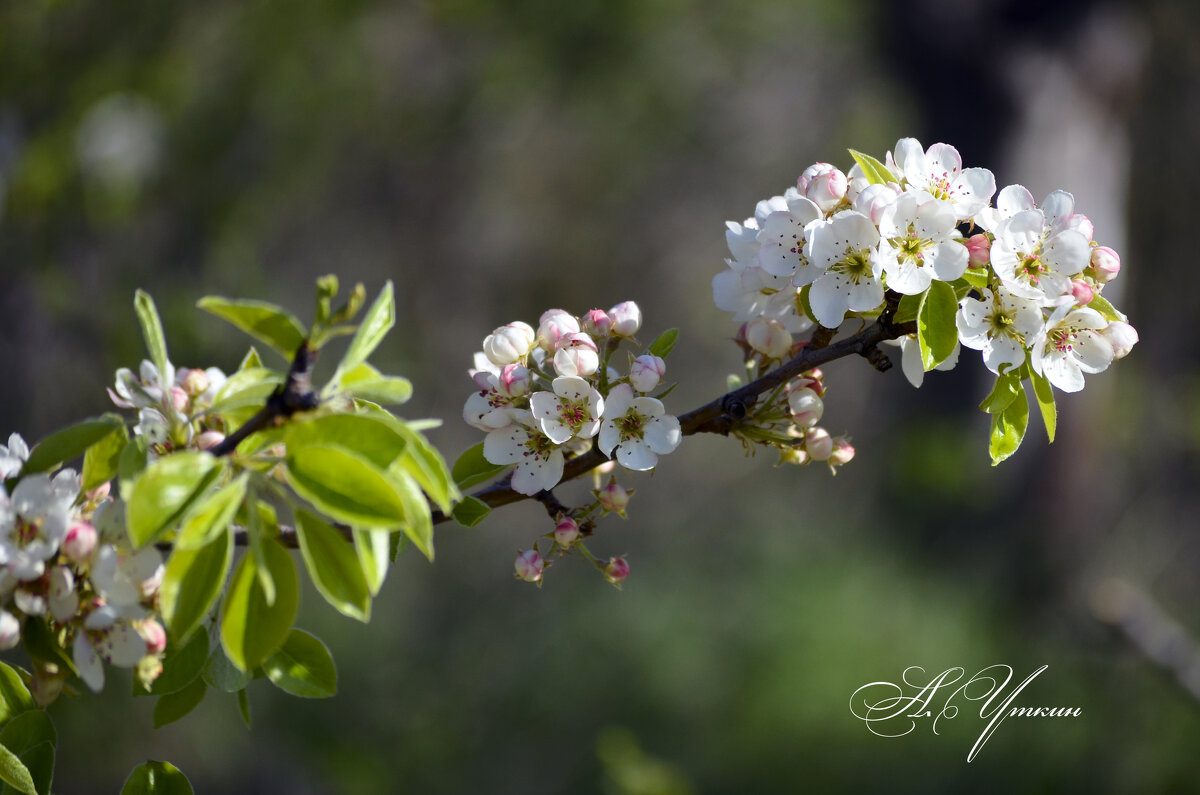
point(496, 159)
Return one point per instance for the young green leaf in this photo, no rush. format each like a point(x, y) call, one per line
point(131, 463)
point(223, 675)
point(102, 460)
point(334, 566)
point(71, 442)
point(180, 667)
point(1107, 310)
point(327, 290)
point(157, 778)
point(366, 383)
point(31, 738)
point(1008, 429)
point(14, 695)
point(209, 516)
point(418, 524)
point(376, 323)
point(472, 468)
point(665, 343)
point(1043, 393)
point(164, 491)
point(907, 309)
point(372, 548)
point(936, 329)
point(14, 773)
point(192, 584)
point(266, 322)
point(152, 331)
point(875, 172)
point(173, 706)
point(471, 512)
point(976, 279)
point(345, 486)
point(251, 360)
point(243, 702)
point(425, 464)
point(303, 667)
point(251, 629)
point(363, 434)
point(1005, 390)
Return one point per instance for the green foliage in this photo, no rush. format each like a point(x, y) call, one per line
point(1043, 393)
point(1008, 429)
point(875, 171)
point(303, 667)
point(368, 436)
point(181, 666)
point(223, 675)
point(252, 628)
point(334, 566)
point(71, 442)
point(164, 491)
point(1003, 393)
point(173, 706)
point(156, 778)
point(1107, 310)
point(665, 343)
point(346, 486)
point(375, 324)
point(192, 584)
point(27, 744)
point(15, 698)
point(471, 512)
point(472, 468)
point(936, 330)
point(152, 331)
point(210, 515)
point(266, 322)
point(101, 462)
point(366, 383)
point(373, 548)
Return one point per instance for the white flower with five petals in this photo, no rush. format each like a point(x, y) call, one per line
point(841, 253)
point(539, 460)
point(999, 325)
point(920, 243)
point(572, 410)
point(1070, 345)
point(939, 171)
point(638, 427)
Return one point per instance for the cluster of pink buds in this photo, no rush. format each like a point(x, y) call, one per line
point(173, 407)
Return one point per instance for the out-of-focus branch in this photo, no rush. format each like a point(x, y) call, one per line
point(293, 395)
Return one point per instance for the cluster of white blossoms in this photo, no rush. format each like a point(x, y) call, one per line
point(171, 406)
point(1027, 277)
point(547, 392)
point(69, 576)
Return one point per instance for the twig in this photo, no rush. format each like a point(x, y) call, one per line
point(293, 395)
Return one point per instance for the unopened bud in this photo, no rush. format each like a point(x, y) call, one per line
point(646, 372)
point(79, 543)
point(155, 636)
point(626, 319)
point(1121, 336)
point(979, 251)
point(513, 380)
point(1106, 264)
point(508, 344)
point(577, 354)
point(46, 685)
point(1082, 291)
point(614, 498)
point(148, 669)
point(769, 337)
point(179, 398)
point(553, 326)
point(209, 440)
point(597, 323)
point(843, 452)
point(617, 570)
point(824, 185)
point(793, 455)
point(818, 443)
point(529, 566)
point(10, 630)
point(1082, 224)
point(872, 200)
point(194, 382)
point(806, 407)
point(566, 532)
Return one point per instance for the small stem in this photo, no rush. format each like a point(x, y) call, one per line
point(293, 395)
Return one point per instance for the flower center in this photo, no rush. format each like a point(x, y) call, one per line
point(855, 266)
point(1062, 339)
point(27, 531)
point(630, 426)
point(538, 445)
point(572, 413)
point(1031, 268)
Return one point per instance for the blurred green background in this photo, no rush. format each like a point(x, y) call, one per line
point(498, 159)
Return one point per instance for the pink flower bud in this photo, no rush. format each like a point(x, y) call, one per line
point(577, 354)
point(646, 372)
point(818, 443)
point(872, 200)
point(209, 440)
point(1082, 291)
point(194, 382)
point(179, 398)
point(843, 452)
point(626, 319)
point(617, 570)
point(806, 407)
point(10, 630)
point(613, 498)
point(597, 323)
point(824, 184)
point(513, 381)
point(1106, 264)
point(79, 543)
point(1122, 337)
point(155, 636)
point(979, 251)
point(508, 344)
point(769, 337)
point(1082, 224)
point(566, 532)
point(793, 455)
point(529, 566)
point(553, 326)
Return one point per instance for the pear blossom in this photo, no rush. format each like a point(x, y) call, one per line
point(910, 359)
point(34, 522)
point(769, 337)
point(646, 372)
point(626, 319)
point(751, 292)
point(148, 388)
point(818, 444)
point(638, 427)
point(566, 532)
point(597, 323)
point(61, 598)
point(978, 251)
point(1070, 345)
point(1034, 259)
point(1105, 264)
point(577, 355)
point(491, 407)
point(573, 409)
point(848, 281)
point(616, 570)
point(529, 566)
point(874, 198)
point(823, 184)
point(124, 580)
point(553, 325)
point(613, 497)
point(10, 631)
point(539, 460)
point(108, 637)
point(806, 406)
point(13, 457)
point(919, 243)
point(509, 344)
point(783, 238)
point(1000, 325)
point(939, 171)
point(1122, 337)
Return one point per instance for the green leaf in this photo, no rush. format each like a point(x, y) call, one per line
point(243, 700)
point(907, 309)
point(665, 343)
point(164, 491)
point(418, 524)
point(247, 389)
point(181, 666)
point(372, 548)
point(131, 463)
point(251, 629)
point(251, 360)
point(978, 279)
point(14, 773)
point(152, 331)
point(366, 435)
point(102, 460)
point(327, 290)
point(376, 323)
point(14, 695)
point(425, 464)
point(875, 172)
point(265, 322)
point(192, 584)
point(1003, 393)
point(803, 306)
point(156, 778)
point(261, 524)
point(1008, 429)
point(1044, 395)
point(1107, 310)
point(345, 486)
point(31, 738)
point(936, 329)
point(472, 468)
point(208, 517)
point(367, 383)
point(71, 442)
point(173, 706)
point(223, 675)
point(44, 646)
point(471, 512)
point(334, 566)
point(303, 667)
